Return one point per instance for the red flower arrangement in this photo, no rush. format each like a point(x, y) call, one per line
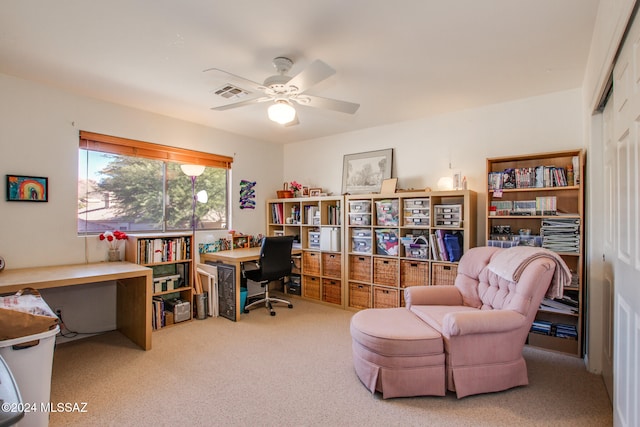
point(113, 238)
point(295, 186)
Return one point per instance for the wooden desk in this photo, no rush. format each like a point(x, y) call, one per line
point(134, 282)
point(236, 257)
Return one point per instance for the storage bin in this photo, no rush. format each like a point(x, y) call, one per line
point(415, 247)
point(332, 291)
point(314, 240)
point(443, 274)
point(294, 285)
point(361, 232)
point(387, 212)
point(359, 295)
point(385, 298)
point(332, 265)
point(418, 221)
point(311, 287)
point(385, 271)
point(448, 215)
point(361, 245)
point(360, 268)
point(413, 273)
point(311, 263)
point(386, 242)
point(30, 360)
point(359, 218)
point(360, 206)
point(421, 203)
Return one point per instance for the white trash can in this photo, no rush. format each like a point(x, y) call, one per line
point(30, 360)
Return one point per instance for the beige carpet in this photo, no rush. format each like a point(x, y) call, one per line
point(293, 369)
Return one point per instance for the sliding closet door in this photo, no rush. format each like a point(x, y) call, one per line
point(625, 187)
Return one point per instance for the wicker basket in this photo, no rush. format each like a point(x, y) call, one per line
point(311, 263)
point(385, 298)
point(443, 274)
point(413, 273)
point(311, 287)
point(332, 291)
point(385, 271)
point(332, 265)
point(360, 268)
point(359, 295)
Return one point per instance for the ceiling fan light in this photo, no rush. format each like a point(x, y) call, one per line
point(281, 112)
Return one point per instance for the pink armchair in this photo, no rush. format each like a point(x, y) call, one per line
point(485, 317)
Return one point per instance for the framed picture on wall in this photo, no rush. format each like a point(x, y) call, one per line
point(21, 188)
point(364, 172)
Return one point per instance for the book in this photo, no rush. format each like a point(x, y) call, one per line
point(442, 249)
point(434, 248)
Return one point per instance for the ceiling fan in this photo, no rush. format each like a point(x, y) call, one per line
point(282, 90)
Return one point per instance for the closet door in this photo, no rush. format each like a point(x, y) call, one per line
point(626, 218)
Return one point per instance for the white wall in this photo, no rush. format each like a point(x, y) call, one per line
point(424, 149)
point(39, 128)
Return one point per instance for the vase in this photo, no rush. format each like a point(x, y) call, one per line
point(114, 255)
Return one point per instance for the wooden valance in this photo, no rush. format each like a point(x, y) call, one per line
point(130, 147)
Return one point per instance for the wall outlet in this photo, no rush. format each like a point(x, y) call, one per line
point(58, 312)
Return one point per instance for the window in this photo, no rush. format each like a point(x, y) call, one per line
point(138, 186)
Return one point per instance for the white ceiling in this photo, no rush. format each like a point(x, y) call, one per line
point(400, 60)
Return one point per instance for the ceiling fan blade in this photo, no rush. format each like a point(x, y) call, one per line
point(232, 78)
point(239, 104)
point(330, 104)
point(313, 74)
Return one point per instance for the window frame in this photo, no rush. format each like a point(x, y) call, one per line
point(109, 144)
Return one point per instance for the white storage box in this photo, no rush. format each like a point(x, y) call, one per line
point(30, 360)
point(360, 206)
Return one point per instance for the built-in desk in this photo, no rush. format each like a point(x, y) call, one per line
point(236, 257)
point(134, 282)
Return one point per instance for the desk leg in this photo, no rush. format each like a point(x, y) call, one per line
point(133, 316)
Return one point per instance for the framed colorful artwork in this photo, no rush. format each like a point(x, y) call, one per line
point(22, 188)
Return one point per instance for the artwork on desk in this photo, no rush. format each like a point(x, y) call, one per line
point(365, 172)
point(247, 194)
point(27, 188)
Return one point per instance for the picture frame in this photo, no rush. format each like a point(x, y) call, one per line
point(305, 191)
point(365, 172)
point(315, 192)
point(25, 188)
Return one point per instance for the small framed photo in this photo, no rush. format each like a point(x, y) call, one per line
point(315, 192)
point(22, 188)
point(305, 191)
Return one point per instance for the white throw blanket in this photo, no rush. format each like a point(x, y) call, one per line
point(510, 263)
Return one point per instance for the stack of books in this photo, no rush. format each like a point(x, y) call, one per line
point(541, 327)
point(564, 305)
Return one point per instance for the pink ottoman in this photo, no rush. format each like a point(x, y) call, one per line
point(397, 354)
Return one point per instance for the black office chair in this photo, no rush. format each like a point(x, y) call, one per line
point(274, 264)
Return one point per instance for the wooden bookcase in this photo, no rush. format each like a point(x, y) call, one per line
point(518, 211)
point(317, 224)
point(170, 256)
point(379, 265)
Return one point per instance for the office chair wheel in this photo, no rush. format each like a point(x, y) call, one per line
point(273, 313)
point(290, 305)
point(245, 311)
